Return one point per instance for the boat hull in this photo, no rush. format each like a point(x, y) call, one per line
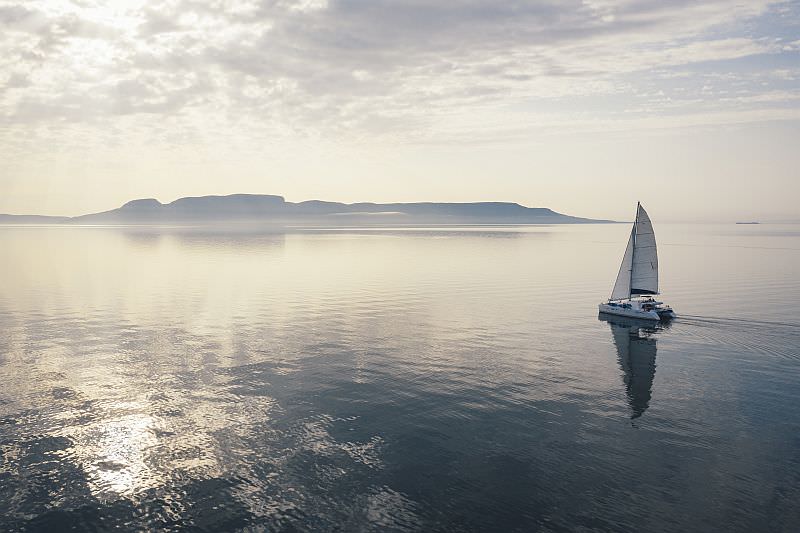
point(629, 312)
point(665, 313)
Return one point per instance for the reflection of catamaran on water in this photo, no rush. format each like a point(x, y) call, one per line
point(637, 281)
point(636, 353)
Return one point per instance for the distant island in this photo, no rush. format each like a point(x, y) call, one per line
point(271, 209)
point(748, 223)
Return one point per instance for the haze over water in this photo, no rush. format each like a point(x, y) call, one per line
point(418, 379)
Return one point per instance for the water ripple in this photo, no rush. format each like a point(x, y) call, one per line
point(393, 380)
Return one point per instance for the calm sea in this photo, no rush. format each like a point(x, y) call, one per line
point(419, 379)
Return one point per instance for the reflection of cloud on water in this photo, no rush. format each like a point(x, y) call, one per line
point(139, 446)
point(154, 383)
point(367, 453)
point(227, 432)
point(314, 436)
point(388, 509)
point(115, 452)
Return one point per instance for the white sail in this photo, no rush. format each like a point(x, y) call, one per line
point(638, 273)
point(622, 287)
point(644, 271)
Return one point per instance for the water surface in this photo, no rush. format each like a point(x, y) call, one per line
point(412, 379)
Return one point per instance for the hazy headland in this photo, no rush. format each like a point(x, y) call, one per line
point(272, 209)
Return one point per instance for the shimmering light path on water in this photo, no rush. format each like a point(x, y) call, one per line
point(425, 379)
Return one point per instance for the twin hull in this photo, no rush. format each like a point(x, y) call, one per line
point(634, 309)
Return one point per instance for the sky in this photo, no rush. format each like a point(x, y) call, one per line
point(586, 107)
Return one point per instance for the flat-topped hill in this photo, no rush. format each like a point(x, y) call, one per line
point(275, 209)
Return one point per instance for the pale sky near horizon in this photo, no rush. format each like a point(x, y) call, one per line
point(585, 107)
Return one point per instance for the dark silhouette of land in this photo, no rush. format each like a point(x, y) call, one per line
point(263, 208)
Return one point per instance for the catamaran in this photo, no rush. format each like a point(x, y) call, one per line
point(637, 281)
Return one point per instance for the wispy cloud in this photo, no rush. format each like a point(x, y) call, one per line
point(412, 70)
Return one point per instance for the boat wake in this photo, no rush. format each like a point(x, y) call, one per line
point(770, 338)
point(738, 321)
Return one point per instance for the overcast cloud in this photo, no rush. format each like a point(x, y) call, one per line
point(316, 66)
point(421, 72)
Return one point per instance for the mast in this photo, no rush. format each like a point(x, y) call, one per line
point(633, 253)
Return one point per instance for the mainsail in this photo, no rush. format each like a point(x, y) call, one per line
point(638, 273)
